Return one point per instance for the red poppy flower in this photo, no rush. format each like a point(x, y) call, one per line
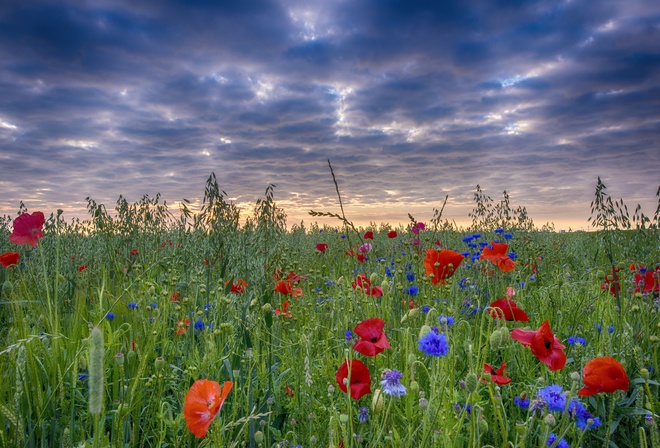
point(496, 376)
point(202, 404)
point(238, 287)
point(507, 309)
point(288, 390)
point(603, 375)
point(286, 286)
point(545, 345)
point(392, 234)
point(175, 296)
point(648, 282)
point(362, 258)
point(82, 267)
point(284, 310)
point(9, 258)
point(360, 379)
point(441, 265)
point(372, 339)
point(182, 327)
point(612, 282)
point(27, 229)
point(134, 253)
point(363, 284)
point(369, 235)
point(321, 247)
point(497, 255)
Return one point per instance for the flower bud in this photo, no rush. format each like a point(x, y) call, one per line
point(550, 420)
point(495, 340)
point(472, 382)
point(424, 330)
point(644, 373)
point(267, 308)
point(377, 402)
point(343, 418)
point(259, 437)
point(119, 359)
point(483, 425)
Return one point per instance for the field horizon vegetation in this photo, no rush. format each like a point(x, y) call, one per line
point(142, 328)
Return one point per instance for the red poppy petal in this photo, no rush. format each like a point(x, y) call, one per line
point(525, 337)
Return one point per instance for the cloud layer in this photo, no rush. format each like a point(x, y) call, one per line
point(410, 102)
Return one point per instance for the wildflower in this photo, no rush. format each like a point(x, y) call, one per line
point(82, 267)
point(521, 401)
point(499, 230)
point(507, 236)
point(647, 281)
point(418, 227)
point(554, 397)
point(467, 239)
point(392, 234)
point(175, 296)
point(363, 284)
point(321, 247)
point(496, 376)
point(410, 276)
point(348, 335)
point(392, 383)
point(446, 320)
point(362, 258)
point(576, 340)
point(134, 253)
point(369, 235)
point(610, 329)
point(132, 306)
point(360, 380)
point(583, 418)
point(372, 339)
point(366, 247)
point(440, 265)
point(203, 402)
point(434, 343)
point(545, 345)
point(507, 309)
point(603, 375)
point(497, 256)
point(9, 258)
point(284, 310)
point(288, 390)
point(238, 287)
point(411, 290)
point(199, 325)
point(110, 316)
point(182, 327)
point(28, 229)
point(363, 414)
point(552, 438)
point(286, 286)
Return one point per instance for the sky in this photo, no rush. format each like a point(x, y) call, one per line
point(411, 101)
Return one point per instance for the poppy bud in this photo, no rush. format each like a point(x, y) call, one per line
point(340, 280)
point(483, 426)
point(130, 356)
point(385, 286)
point(550, 420)
point(521, 429)
point(60, 278)
point(414, 386)
point(506, 335)
point(343, 418)
point(471, 382)
point(644, 373)
point(119, 359)
point(259, 437)
point(495, 340)
point(267, 308)
point(7, 287)
point(373, 277)
point(423, 331)
point(159, 363)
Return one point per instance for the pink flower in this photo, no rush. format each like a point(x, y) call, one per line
point(366, 247)
point(28, 229)
point(417, 227)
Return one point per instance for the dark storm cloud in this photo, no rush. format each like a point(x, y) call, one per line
point(410, 101)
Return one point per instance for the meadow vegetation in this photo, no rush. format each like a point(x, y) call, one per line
point(328, 336)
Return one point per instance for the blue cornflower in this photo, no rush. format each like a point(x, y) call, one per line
point(329, 283)
point(610, 329)
point(426, 309)
point(446, 320)
point(577, 340)
point(499, 230)
point(392, 383)
point(476, 236)
point(411, 290)
point(513, 255)
point(410, 276)
point(363, 414)
point(553, 396)
point(434, 343)
point(110, 316)
point(343, 237)
point(522, 403)
point(381, 259)
point(483, 243)
point(467, 239)
point(562, 443)
point(507, 236)
point(199, 325)
point(465, 254)
point(132, 306)
point(389, 272)
point(82, 376)
point(472, 245)
point(348, 335)
point(577, 410)
point(598, 327)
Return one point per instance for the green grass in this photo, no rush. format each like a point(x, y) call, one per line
point(283, 368)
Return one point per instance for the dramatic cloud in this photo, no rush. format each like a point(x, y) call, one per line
point(410, 102)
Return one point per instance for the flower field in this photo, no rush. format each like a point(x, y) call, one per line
point(139, 328)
